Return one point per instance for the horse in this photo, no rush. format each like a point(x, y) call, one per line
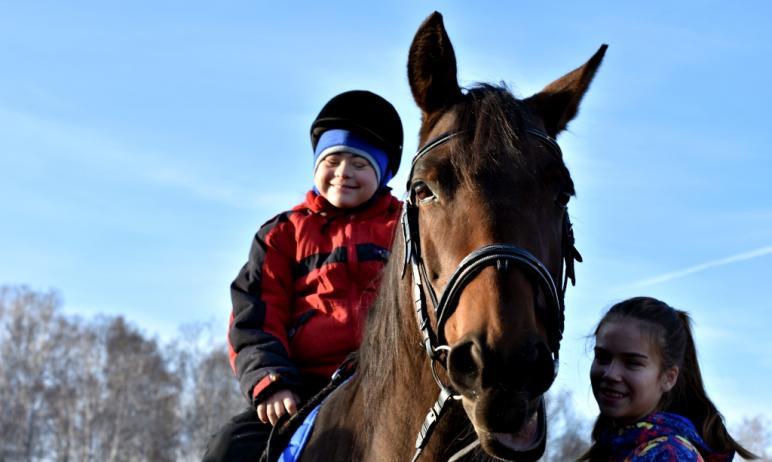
point(485, 224)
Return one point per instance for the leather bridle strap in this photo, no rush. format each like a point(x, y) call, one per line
point(442, 139)
point(570, 253)
point(499, 255)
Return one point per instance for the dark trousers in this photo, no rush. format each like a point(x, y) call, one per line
point(243, 439)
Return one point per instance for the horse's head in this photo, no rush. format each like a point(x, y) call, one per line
point(490, 234)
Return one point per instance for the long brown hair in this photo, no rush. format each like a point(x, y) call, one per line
point(671, 331)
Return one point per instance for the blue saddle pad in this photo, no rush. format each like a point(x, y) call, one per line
point(298, 441)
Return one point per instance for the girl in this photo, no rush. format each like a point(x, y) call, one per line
point(648, 385)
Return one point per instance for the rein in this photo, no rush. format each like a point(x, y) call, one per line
point(501, 256)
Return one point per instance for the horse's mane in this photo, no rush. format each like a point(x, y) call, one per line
point(383, 339)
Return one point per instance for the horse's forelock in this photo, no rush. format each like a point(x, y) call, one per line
point(493, 125)
point(491, 122)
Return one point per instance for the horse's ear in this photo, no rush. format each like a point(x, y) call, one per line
point(558, 103)
point(431, 67)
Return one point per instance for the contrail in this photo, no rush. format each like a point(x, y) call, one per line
point(697, 268)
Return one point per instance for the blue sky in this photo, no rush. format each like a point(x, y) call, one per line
point(142, 144)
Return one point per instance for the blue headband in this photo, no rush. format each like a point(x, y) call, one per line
point(338, 140)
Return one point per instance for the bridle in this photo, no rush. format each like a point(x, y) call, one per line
point(501, 256)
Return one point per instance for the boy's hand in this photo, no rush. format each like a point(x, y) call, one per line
point(278, 404)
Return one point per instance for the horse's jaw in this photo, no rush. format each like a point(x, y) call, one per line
point(523, 440)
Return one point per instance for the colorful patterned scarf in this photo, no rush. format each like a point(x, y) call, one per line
point(659, 437)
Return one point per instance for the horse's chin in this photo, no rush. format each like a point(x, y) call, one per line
point(526, 442)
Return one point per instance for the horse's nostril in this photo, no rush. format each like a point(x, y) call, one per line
point(463, 361)
point(465, 365)
point(542, 368)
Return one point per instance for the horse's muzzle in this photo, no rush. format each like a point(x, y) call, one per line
point(474, 368)
point(502, 395)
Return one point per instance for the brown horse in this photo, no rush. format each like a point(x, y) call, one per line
point(485, 226)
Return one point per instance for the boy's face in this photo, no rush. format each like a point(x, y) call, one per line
point(345, 180)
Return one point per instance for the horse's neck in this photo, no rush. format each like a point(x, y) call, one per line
point(396, 408)
point(407, 409)
point(378, 414)
point(402, 411)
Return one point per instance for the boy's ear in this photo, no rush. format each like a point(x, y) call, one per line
point(669, 379)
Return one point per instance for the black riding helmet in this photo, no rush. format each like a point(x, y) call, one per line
point(366, 114)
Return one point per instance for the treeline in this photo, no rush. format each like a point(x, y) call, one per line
point(99, 390)
point(74, 390)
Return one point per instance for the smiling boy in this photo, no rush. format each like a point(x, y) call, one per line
point(300, 301)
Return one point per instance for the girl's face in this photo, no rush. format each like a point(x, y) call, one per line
point(626, 374)
point(345, 180)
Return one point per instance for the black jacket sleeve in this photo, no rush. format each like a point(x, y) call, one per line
point(261, 296)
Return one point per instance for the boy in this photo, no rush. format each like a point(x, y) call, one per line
point(300, 302)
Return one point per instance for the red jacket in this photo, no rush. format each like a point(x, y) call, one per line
point(300, 301)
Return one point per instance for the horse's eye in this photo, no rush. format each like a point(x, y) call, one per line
point(422, 192)
point(562, 199)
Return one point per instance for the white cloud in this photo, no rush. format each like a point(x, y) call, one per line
point(666, 277)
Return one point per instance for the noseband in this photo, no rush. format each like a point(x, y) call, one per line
point(499, 255)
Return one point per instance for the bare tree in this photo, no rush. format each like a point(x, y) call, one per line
point(26, 350)
point(75, 391)
point(569, 433)
point(211, 393)
point(755, 433)
point(142, 394)
point(74, 396)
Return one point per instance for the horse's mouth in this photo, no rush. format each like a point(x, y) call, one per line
point(526, 443)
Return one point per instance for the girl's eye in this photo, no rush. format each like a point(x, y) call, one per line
point(562, 199)
point(422, 192)
point(601, 357)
